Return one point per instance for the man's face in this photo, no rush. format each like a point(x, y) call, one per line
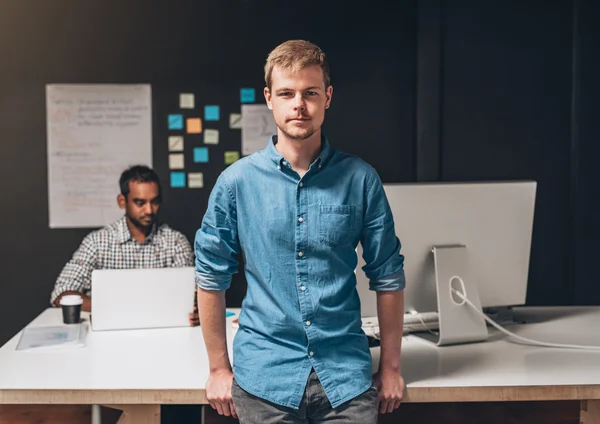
point(141, 204)
point(298, 101)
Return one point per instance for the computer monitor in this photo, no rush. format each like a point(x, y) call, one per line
point(492, 220)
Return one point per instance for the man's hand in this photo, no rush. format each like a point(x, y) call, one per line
point(194, 319)
point(218, 392)
point(390, 386)
point(193, 316)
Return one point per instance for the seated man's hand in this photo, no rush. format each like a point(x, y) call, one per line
point(194, 319)
point(193, 316)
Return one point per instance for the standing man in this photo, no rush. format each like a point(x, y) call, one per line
point(297, 210)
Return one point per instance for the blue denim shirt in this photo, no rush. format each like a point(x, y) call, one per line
point(298, 238)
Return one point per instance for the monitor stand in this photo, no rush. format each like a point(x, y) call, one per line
point(458, 322)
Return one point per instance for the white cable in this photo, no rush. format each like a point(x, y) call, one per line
point(523, 339)
point(426, 326)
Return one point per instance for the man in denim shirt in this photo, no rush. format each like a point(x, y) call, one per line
point(297, 210)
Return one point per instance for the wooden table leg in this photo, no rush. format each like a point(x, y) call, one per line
point(590, 412)
point(138, 414)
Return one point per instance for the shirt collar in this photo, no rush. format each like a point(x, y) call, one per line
point(276, 157)
point(124, 235)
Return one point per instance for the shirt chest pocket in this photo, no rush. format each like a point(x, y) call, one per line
point(336, 224)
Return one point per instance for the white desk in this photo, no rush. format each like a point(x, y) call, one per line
point(134, 370)
point(137, 371)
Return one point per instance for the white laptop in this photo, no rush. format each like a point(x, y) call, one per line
point(142, 298)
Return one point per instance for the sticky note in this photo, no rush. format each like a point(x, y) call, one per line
point(175, 143)
point(195, 180)
point(186, 101)
point(235, 121)
point(177, 179)
point(247, 95)
point(211, 113)
point(211, 137)
point(200, 154)
point(176, 161)
point(194, 125)
point(231, 157)
point(175, 122)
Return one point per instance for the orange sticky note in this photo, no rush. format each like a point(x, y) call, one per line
point(194, 125)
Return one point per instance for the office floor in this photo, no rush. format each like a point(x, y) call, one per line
point(448, 413)
point(50, 414)
point(468, 413)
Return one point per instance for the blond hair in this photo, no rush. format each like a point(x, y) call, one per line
point(294, 55)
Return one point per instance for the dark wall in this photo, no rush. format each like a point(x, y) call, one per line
point(211, 49)
point(507, 115)
point(586, 153)
point(423, 90)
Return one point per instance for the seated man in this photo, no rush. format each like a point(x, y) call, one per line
point(134, 241)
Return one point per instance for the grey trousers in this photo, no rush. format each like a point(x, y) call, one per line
point(314, 407)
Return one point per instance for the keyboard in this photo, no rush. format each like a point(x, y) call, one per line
point(424, 321)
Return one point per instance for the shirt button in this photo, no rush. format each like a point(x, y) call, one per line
point(300, 219)
point(302, 288)
point(300, 254)
point(278, 167)
point(307, 323)
point(301, 184)
point(319, 166)
point(311, 353)
point(284, 163)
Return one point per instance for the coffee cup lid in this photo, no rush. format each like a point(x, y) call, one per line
point(71, 300)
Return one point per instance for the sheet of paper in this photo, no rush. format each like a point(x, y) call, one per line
point(176, 161)
point(94, 132)
point(175, 122)
point(177, 179)
point(235, 121)
point(194, 125)
point(60, 336)
point(195, 180)
point(258, 126)
point(247, 95)
point(175, 143)
point(200, 154)
point(211, 137)
point(231, 157)
point(211, 113)
point(186, 101)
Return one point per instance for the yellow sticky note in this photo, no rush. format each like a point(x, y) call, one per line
point(195, 180)
point(175, 143)
point(194, 125)
point(176, 161)
point(231, 157)
point(186, 101)
point(211, 137)
point(235, 121)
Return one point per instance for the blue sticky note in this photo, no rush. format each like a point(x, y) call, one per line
point(200, 154)
point(175, 122)
point(229, 314)
point(211, 113)
point(177, 179)
point(247, 95)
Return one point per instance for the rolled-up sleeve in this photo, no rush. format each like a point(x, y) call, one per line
point(384, 264)
point(216, 244)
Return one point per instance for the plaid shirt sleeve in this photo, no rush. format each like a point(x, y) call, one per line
point(77, 273)
point(184, 255)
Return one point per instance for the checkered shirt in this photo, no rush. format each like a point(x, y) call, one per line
point(112, 247)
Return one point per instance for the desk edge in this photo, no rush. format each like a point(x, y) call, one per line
point(198, 396)
point(103, 396)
